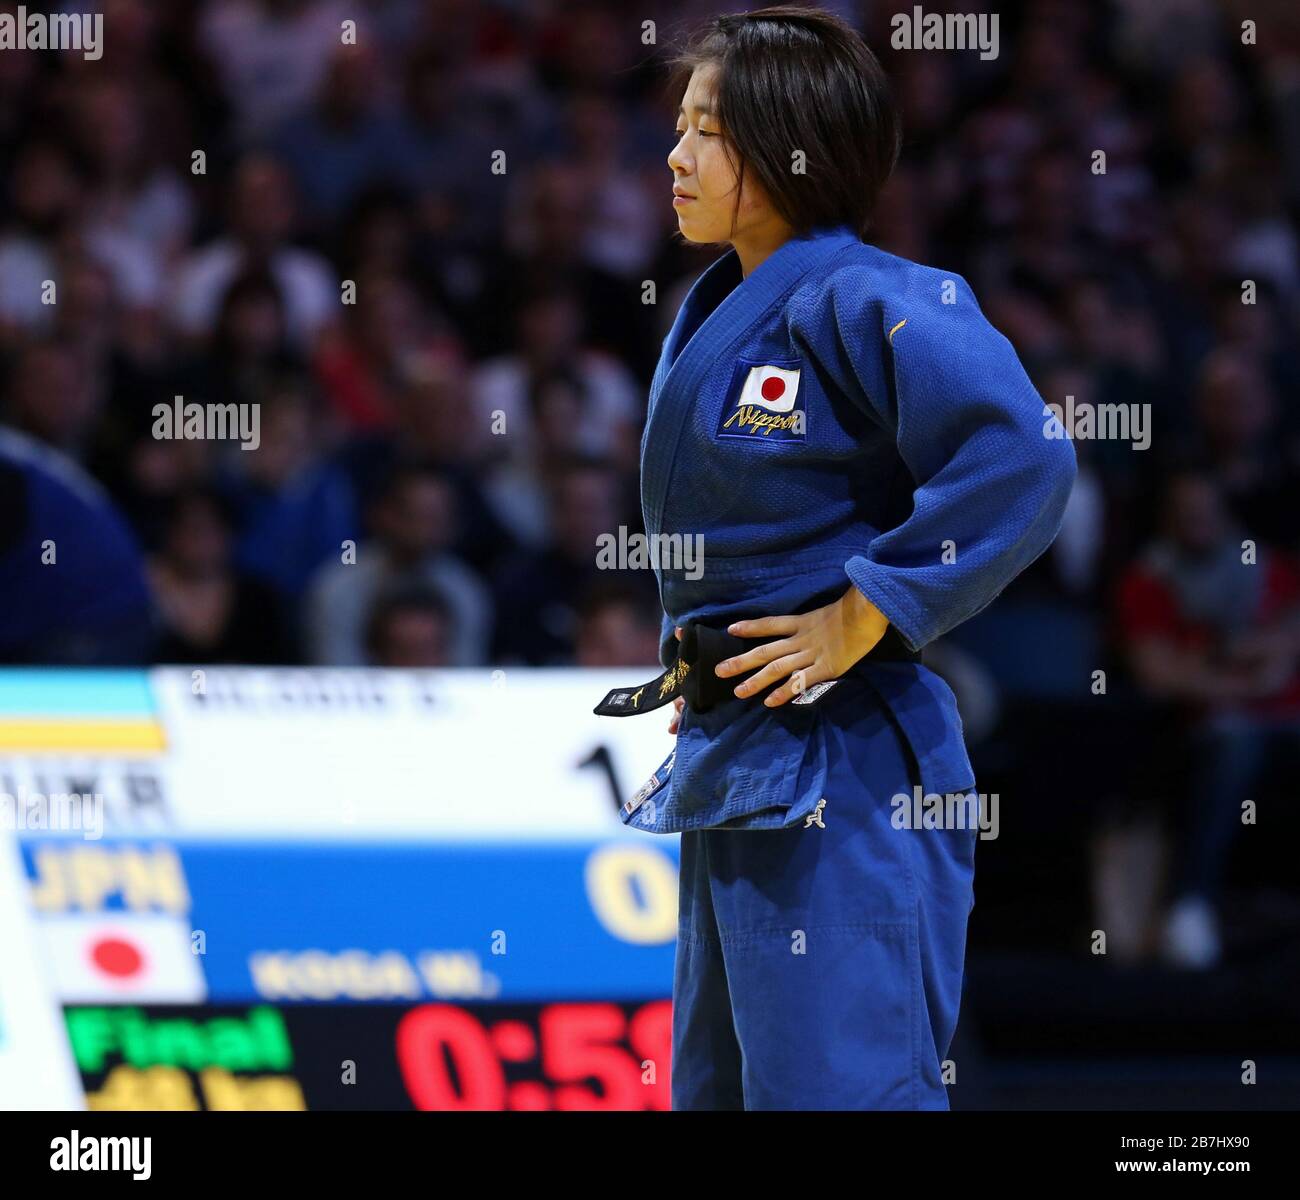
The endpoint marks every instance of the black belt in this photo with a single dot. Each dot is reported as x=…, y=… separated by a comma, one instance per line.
x=692, y=675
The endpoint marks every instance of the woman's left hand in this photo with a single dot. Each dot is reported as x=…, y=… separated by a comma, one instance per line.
x=815, y=646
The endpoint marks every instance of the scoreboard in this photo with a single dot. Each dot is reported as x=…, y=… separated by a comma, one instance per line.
x=253, y=889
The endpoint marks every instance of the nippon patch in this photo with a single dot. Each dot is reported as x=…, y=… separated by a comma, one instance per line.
x=765, y=401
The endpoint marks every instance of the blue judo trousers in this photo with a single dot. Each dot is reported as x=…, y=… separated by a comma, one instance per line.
x=820, y=966
x=840, y=417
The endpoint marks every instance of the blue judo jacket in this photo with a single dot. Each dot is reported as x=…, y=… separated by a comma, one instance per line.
x=839, y=416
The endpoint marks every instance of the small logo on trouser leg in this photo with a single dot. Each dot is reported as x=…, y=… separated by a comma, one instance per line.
x=815, y=817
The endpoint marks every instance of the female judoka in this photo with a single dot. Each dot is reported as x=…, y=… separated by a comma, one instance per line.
x=868, y=465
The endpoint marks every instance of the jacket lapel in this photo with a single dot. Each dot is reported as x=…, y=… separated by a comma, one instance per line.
x=682, y=367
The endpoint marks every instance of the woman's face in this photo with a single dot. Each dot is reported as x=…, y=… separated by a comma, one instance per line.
x=705, y=176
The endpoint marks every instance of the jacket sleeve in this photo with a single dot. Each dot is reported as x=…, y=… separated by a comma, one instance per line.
x=991, y=465
x=667, y=641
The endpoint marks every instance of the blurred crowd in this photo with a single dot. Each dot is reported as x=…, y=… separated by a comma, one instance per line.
x=423, y=256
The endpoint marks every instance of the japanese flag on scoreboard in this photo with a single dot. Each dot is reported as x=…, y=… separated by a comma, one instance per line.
x=99, y=958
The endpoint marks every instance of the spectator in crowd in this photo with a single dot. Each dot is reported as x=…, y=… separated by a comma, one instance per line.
x=409, y=627
x=544, y=255
x=553, y=397
x=51, y=396
x=386, y=330
x=293, y=504
x=1076, y=559
x=411, y=527
x=1238, y=434
x=210, y=612
x=261, y=212
x=86, y=317
x=44, y=200
x=618, y=626
x=443, y=155
x=344, y=143
x=147, y=475
x=1211, y=624
x=436, y=424
x=618, y=213
x=537, y=592
x=139, y=213
x=271, y=55
x=249, y=344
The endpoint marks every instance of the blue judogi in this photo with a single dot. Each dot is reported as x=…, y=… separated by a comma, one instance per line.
x=820, y=966
x=841, y=416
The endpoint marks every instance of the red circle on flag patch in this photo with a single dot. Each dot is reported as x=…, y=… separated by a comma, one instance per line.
x=113, y=956
x=773, y=387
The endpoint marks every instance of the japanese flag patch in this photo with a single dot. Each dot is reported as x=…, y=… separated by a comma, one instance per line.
x=764, y=402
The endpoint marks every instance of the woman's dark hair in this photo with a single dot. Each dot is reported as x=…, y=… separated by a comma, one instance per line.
x=798, y=79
